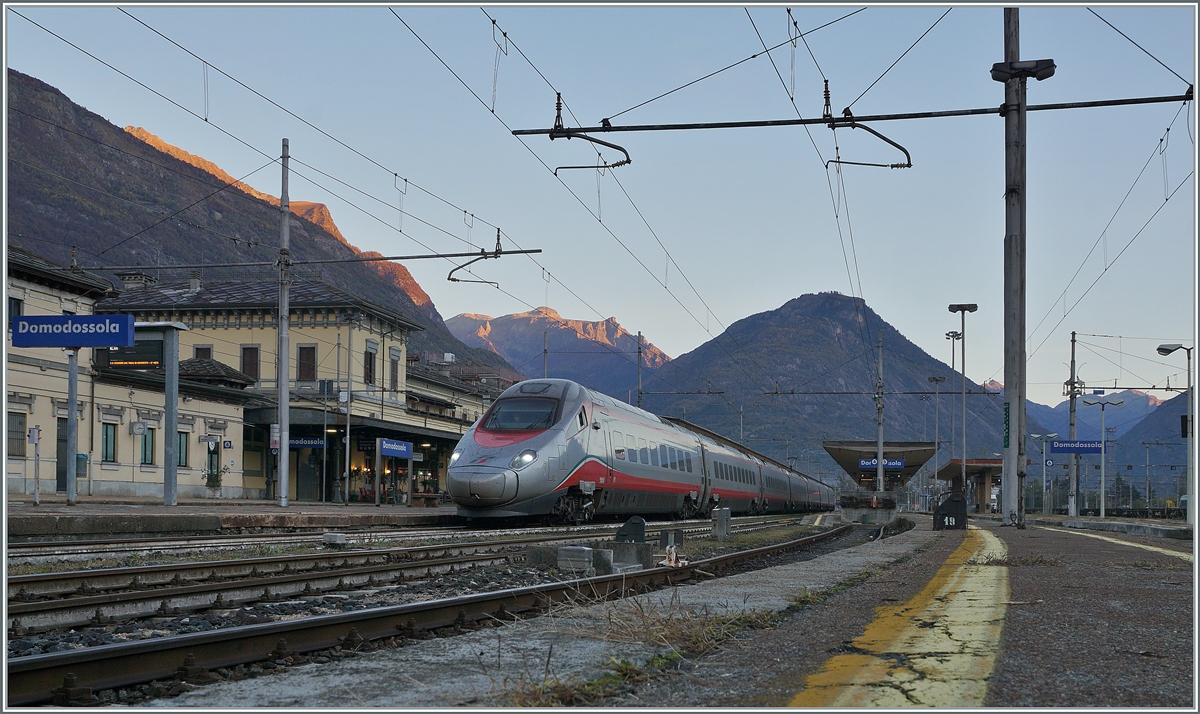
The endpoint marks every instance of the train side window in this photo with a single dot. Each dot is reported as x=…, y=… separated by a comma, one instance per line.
x=645, y=454
x=581, y=419
x=687, y=457
x=662, y=455
x=618, y=446
x=672, y=460
x=653, y=454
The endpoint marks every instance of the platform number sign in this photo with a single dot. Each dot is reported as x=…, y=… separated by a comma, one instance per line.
x=949, y=520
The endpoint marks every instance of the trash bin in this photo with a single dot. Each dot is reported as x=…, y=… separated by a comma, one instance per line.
x=951, y=514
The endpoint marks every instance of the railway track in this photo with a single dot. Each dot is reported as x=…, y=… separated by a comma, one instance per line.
x=70, y=677
x=41, y=602
x=36, y=552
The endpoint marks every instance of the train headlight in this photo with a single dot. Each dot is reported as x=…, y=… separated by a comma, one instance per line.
x=523, y=459
x=454, y=457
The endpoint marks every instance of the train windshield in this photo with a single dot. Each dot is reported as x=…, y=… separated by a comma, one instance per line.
x=521, y=414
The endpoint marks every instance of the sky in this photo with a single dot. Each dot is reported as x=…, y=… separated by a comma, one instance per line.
x=399, y=118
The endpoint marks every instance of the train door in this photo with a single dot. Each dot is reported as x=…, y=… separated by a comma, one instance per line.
x=705, y=481
x=600, y=441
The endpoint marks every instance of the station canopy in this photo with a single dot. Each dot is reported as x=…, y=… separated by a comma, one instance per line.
x=976, y=468
x=850, y=454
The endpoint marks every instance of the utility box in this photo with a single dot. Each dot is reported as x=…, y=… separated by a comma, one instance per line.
x=951, y=514
x=633, y=531
x=721, y=523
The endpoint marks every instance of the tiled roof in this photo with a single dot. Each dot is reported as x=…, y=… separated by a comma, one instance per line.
x=245, y=295
x=206, y=370
x=35, y=266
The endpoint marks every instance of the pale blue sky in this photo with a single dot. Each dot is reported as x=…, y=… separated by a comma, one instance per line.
x=747, y=214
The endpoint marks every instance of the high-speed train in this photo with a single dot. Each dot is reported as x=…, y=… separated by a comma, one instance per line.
x=554, y=448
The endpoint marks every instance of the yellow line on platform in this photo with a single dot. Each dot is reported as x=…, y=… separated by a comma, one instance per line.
x=936, y=650
x=1165, y=551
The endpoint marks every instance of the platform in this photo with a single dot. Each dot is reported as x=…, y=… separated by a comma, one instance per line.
x=97, y=517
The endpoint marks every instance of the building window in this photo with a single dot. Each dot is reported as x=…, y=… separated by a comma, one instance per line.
x=16, y=308
x=16, y=432
x=148, y=447
x=394, y=381
x=368, y=367
x=306, y=363
x=182, y=449
x=202, y=352
x=108, y=442
x=250, y=361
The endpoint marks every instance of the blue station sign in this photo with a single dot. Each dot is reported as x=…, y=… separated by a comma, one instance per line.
x=305, y=442
x=397, y=449
x=894, y=464
x=72, y=331
x=1075, y=447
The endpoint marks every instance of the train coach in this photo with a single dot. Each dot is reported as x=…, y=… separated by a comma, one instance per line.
x=553, y=448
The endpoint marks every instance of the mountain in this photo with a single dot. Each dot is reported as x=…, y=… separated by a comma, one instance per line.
x=601, y=355
x=806, y=371
x=1136, y=407
x=125, y=197
x=1167, y=461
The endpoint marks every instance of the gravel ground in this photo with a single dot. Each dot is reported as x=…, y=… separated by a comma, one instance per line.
x=1112, y=625
x=491, y=667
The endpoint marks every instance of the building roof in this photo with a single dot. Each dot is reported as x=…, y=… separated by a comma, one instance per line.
x=31, y=266
x=847, y=453
x=241, y=295
x=213, y=372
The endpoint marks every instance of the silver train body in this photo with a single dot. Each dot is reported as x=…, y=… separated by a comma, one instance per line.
x=551, y=447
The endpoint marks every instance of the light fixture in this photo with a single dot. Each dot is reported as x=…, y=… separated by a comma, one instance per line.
x=1038, y=69
x=426, y=445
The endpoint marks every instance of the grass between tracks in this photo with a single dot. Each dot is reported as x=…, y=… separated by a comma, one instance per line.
x=685, y=632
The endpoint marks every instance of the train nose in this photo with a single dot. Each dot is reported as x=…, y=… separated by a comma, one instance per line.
x=481, y=486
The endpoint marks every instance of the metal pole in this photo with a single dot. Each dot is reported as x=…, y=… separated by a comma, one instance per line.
x=171, y=417
x=1191, y=509
x=337, y=485
x=1103, y=456
x=639, y=359
x=879, y=419
x=546, y=351
x=37, y=466
x=1073, y=473
x=1045, y=505
x=964, y=398
x=283, y=370
x=324, y=442
x=349, y=402
x=72, y=420
x=1149, y=505
x=1014, y=276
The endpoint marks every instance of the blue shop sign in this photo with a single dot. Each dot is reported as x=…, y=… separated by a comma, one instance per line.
x=72, y=331
x=394, y=448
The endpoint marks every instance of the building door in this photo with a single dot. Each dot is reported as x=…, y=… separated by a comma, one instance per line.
x=60, y=463
x=308, y=481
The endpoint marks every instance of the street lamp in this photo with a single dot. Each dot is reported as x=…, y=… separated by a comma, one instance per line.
x=1165, y=350
x=937, y=419
x=1044, y=438
x=964, y=308
x=1103, y=440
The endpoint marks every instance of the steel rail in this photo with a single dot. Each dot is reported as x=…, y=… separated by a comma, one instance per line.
x=79, y=598
x=77, y=673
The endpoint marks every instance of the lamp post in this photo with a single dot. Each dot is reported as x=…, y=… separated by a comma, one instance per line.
x=937, y=422
x=1103, y=440
x=1165, y=350
x=1044, y=438
x=953, y=336
x=963, y=309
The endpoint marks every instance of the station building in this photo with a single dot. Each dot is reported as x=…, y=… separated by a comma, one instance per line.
x=120, y=413
x=349, y=362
